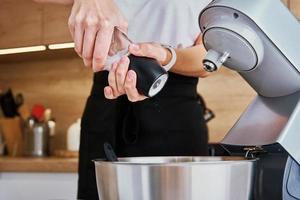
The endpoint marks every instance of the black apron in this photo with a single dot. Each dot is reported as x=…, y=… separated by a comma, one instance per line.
x=169, y=124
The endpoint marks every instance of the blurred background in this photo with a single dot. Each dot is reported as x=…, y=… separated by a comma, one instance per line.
x=58, y=80
x=52, y=85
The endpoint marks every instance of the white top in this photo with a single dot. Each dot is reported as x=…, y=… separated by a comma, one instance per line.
x=170, y=22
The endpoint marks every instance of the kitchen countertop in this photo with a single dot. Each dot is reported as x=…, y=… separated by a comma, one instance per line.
x=49, y=164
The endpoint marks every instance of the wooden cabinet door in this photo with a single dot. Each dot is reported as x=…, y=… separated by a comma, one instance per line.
x=26, y=23
x=55, y=26
x=20, y=23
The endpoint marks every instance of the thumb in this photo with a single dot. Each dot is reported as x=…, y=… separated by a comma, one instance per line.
x=136, y=50
x=149, y=50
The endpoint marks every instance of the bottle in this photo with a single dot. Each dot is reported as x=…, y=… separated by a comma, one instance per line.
x=73, y=136
x=50, y=121
x=36, y=138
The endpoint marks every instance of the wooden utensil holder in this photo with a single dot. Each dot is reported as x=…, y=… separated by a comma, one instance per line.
x=12, y=134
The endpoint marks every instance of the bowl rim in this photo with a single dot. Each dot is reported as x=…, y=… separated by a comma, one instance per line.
x=206, y=160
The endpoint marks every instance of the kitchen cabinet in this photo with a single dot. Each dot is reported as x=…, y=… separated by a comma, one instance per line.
x=55, y=24
x=38, y=186
x=26, y=23
x=20, y=23
x=38, y=178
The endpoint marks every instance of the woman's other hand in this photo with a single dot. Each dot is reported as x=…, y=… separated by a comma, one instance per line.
x=91, y=24
x=123, y=81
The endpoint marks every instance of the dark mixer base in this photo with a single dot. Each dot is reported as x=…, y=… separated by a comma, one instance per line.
x=269, y=172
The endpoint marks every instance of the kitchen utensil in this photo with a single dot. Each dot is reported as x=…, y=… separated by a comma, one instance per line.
x=73, y=136
x=260, y=40
x=52, y=127
x=36, y=138
x=8, y=104
x=47, y=114
x=50, y=120
x=19, y=99
x=12, y=135
x=24, y=111
x=208, y=114
x=269, y=168
x=109, y=152
x=38, y=112
x=175, y=178
x=151, y=76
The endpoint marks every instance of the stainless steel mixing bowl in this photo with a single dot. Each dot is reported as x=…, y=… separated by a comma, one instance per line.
x=175, y=178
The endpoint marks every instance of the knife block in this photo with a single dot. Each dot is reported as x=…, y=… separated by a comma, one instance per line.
x=12, y=134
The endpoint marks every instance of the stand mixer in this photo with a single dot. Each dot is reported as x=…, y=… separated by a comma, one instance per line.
x=260, y=39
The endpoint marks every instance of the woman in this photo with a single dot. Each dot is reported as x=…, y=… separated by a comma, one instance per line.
x=168, y=124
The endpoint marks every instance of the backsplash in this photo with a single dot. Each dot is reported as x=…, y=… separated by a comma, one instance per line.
x=60, y=84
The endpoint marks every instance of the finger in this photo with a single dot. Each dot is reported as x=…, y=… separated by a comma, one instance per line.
x=71, y=21
x=71, y=25
x=121, y=41
x=78, y=36
x=112, y=80
x=108, y=93
x=130, y=87
x=102, y=44
x=111, y=52
x=136, y=50
x=121, y=73
x=146, y=50
x=150, y=50
x=123, y=25
x=88, y=45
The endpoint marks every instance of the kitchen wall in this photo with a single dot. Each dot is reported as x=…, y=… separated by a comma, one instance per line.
x=60, y=81
x=60, y=84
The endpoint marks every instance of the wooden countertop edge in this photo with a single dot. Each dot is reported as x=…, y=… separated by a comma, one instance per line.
x=45, y=165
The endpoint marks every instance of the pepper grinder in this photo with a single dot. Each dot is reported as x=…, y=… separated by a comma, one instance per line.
x=151, y=76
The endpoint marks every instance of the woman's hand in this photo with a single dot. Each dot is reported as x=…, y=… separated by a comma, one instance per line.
x=123, y=81
x=91, y=24
x=189, y=60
